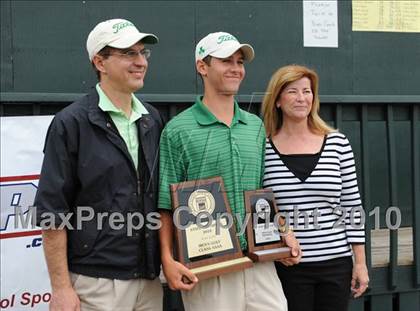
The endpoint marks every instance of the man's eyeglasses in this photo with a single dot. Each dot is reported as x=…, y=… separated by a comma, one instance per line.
x=132, y=54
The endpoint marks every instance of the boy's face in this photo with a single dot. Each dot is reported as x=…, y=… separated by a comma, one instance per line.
x=224, y=75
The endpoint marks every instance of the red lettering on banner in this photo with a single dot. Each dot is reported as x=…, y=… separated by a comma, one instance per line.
x=34, y=299
x=7, y=303
x=25, y=298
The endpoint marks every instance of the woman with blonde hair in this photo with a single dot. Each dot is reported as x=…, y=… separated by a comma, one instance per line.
x=311, y=169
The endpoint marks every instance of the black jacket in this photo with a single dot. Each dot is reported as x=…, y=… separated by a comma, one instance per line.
x=87, y=164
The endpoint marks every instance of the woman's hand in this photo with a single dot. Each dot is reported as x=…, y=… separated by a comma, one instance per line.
x=359, y=280
x=360, y=277
x=291, y=241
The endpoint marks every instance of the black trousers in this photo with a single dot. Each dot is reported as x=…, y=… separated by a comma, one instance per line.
x=318, y=286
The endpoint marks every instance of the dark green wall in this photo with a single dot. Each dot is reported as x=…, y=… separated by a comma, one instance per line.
x=43, y=46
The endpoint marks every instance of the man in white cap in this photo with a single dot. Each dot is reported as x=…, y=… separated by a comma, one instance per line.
x=216, y=138
x=99, y=181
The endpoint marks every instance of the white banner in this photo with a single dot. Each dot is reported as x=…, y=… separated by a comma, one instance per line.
x=24, y=276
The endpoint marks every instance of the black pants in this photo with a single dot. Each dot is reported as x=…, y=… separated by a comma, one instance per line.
x=318, y=286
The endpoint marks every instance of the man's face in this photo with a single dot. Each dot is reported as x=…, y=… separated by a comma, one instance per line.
x=224, y=75
x=123, y=71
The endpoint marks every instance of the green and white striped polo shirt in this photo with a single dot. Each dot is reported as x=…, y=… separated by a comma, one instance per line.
x=196, y=145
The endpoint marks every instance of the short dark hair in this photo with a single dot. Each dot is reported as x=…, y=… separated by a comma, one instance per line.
x=207, y=60
x=104, y=52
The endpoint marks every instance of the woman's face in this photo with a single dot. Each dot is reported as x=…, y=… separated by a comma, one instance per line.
x=295, y=101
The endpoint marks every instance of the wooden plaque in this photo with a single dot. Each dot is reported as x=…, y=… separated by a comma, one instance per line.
x=264, y=240
x=213, y=249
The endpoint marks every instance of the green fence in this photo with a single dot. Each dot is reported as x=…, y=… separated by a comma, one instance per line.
x=385, y=134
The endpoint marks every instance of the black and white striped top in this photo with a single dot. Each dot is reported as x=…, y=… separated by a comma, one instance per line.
x=330, y=191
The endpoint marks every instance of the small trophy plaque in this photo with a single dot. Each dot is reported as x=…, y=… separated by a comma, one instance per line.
x=206, y=242
x=264, y=240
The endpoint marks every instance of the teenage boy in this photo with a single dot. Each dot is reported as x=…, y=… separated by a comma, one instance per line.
x=216, y=138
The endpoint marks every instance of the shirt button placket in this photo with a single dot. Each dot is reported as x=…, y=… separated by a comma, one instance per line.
x=237, y=195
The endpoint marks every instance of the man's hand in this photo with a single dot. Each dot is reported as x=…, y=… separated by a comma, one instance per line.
x=291, y=241
x=64, y=299
x=359, y=280
x=178, y=276
x=63, y=296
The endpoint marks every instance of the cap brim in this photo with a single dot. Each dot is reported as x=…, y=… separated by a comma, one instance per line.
x=246, y=49
x=132, y=39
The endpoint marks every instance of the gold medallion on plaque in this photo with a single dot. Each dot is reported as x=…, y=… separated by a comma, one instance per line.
x=201, y=201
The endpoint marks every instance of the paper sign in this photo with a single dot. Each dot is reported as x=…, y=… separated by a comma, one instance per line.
x=320, y=25
x=389, y=15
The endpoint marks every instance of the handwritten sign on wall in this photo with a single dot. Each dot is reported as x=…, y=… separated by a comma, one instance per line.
x=320, y=24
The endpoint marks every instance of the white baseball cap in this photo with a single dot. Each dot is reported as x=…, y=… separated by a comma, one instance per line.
x=117, y=33
x=222, y=45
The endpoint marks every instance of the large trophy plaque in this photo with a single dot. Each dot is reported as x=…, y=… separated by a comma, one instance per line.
x=206, y=240
x=264, y=240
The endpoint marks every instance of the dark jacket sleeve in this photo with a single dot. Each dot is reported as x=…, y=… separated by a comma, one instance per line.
x=58, y=183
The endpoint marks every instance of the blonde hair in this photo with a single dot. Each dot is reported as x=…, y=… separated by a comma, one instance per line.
x=278, y=82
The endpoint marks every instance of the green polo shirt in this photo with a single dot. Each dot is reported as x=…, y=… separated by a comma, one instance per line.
x=126, y=126
x=196, y=145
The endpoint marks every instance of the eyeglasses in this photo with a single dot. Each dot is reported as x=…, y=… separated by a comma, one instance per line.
x=132, y=54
